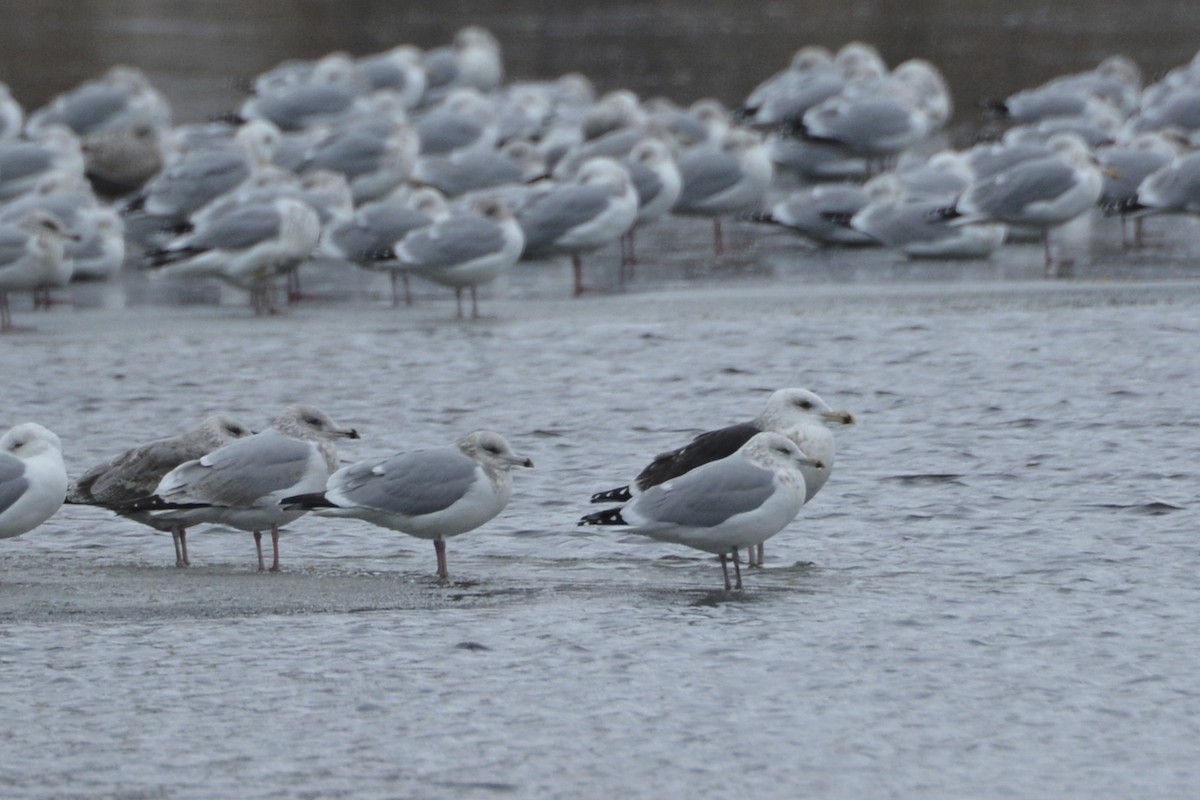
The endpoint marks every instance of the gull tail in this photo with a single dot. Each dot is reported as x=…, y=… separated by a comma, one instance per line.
x=609, y=516
x=155, y=503
x=306, y=501
x=619, y=495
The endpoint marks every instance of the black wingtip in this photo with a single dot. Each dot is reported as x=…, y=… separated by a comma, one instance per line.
x=997, y=107
x=609, y=516
x=306, y=501
x=619, y=495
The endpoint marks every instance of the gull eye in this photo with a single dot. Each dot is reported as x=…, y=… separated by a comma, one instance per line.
x=805, y=404
x=316, y=423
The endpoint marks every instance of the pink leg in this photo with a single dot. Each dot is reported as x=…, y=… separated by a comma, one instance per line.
x=458, y=300
x=439, y=547
x=725, y=569
x=262, y=567
x=474, y=304
x=275, y=549
x=187, y=562
x=176, y=538
x=737, y=570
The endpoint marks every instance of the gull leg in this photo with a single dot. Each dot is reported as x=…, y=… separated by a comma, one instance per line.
x=439, y=547
x=395, y=284
x=718, y=239
x=258, y=546
x=755, y=555
x=458, y=300
x=187, y=562
x=275, y=548
x=474, y=304
x=737, y=570
x=725, y=569
x=175, y=539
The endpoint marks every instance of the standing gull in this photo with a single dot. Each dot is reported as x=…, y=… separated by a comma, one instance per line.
x=796, y=413
x=430, y=494
x=724, y=180
x=593, y=210
x=32, y=258
x=465, y=248
x=737, y=501
x=240, y=484
x=136, y=473
x=33, y=479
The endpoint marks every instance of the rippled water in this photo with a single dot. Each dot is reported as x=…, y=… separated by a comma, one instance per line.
x=995, y=594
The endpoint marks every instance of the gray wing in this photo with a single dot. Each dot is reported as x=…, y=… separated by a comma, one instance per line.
x=645, y=181
x=454, y=240
x=238, y=231
x=411, y=484
x=547, y=218
x=194, y=180
x=708, y=495
x=351, y=154
x=1007, y=194
x=442, y=132
x=13, y=482
x=240, y=473
x=88, y=108
x=455, y=177
x=291, y=110
x=375, y=229
x=23, y=159
x=705, y=173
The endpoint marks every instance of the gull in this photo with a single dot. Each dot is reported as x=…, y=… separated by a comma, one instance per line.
x=136, y=473
x=799, y=414
x=121, y=99
x=656, y=178
x=367, y=238
x=822, y=213
x=464, y=248
x=431, y=494
x=25, y=163
x=732, y=177
x=1038, y=192
x=594, y=209
x=33, y=478
x=913, y=224
x=241, y=483
x=245, y=247
x=32, y=258
x=737, y=501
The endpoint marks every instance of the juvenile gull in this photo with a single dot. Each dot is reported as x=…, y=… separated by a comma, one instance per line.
x=240, y=483
x=33, y=479
x=430, y=494
x=796, y=413
x=136, y=473
x=737, y=501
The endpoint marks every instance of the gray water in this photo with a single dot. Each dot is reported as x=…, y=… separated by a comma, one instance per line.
x=994, y=596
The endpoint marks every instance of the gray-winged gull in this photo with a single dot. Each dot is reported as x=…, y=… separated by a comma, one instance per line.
x=33, y=478
x=32, y=258
x=465, y=248
x=431, y=494
x=797, y=413
x=593, y=210
x=241, y=483
x=731, y=178
x=737, y=501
